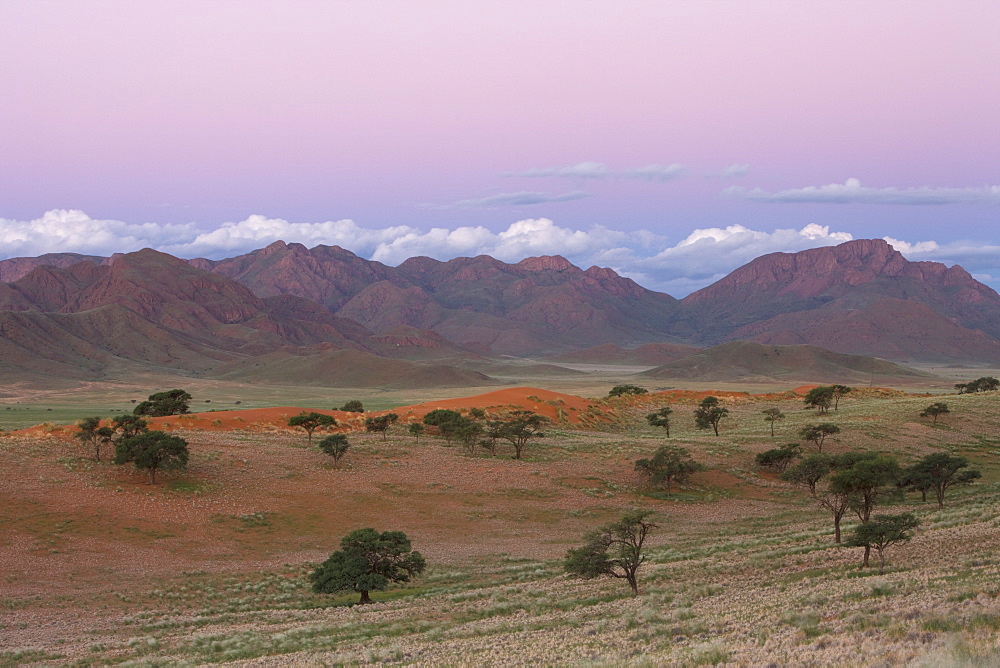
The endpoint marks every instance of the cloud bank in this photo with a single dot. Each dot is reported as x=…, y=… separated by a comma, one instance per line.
x=651, y=259
x=852, y=192
x=598, y=170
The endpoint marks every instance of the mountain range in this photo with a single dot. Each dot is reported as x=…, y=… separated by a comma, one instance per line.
x=287, y=306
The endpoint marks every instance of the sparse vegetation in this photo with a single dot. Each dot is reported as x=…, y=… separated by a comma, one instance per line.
x=709, y=414
x=881, y=533
x=381, y=423
x=984, y=384
x=615, y=550
x=820, y=398
x=353, y=406
x=368, y=561
x=624, y=390
x=310, y=422
x=935, y=410
x=661, y=418
x=153, y=451
x=336, y=446
x=670, y=464
x=171, y=402
x=817, y=433
x=772, y=415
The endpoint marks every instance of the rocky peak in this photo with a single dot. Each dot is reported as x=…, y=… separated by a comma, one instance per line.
x=546, y=263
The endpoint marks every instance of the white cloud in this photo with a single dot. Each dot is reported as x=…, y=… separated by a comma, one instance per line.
x=651, y=259
x=660, y=173
x=523, y=198
x=731, y=172
x=852, y=192
x=587, y=169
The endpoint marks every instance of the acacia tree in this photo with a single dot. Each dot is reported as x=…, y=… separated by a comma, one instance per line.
x=90, y=432
x=310, y=422
x=709, y=413
x=160, y=404
x=820, y=398
x=668, y=464
x=520, y=427
x=353, y=406
x=935, y=410
x=445, y=419
x=381, y=423
x=416, y=429
x=939, y=471
x=615, y=550
x=127, y=426
x=881, y=533
x=368, y=561
x=778, y=459
x=622, y=390
x=817, y=433
x=984, y=384
x=863, y=482
x=838, y=392
x=661, y=418
x=336, y=446
x=153, y=451
x=772, y=415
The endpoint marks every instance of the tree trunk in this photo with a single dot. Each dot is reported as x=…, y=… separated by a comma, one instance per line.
x=364, y=598
x=868, y=552
x=152, y=475
x=772, y=428
x=836, y=530
x=633, y=584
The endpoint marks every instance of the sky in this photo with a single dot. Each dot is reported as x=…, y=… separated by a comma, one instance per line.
x=672, y=141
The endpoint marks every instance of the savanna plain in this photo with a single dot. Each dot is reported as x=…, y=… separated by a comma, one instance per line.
x=211, y=564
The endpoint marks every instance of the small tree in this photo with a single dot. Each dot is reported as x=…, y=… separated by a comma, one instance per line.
x=820, y=398
x=368, y=561
x=171, y=402
x=310, y=422
x=615, y=550
x=817, y=433
x=522, y=426
x=984, y=384
x=381, y=424
x=416, y=430
x=940, y=471
x=661, y=418
x=809, y=472
x=709, y=413
x=468, y=432
x=336, y=446
x=935, y=410
x=445, y=419
x=668, y=465
x=881, y=533
x=622, y=390
x=772, y=415
x=153, y=451
x=838, y=392
x=92, y=434
x=353, y=406
x=127, y=426
x=779, y=459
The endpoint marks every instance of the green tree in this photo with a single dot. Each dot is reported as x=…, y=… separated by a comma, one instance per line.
x=153, y=451
x=127, y=426
x=171, y=402
x=809, y=472
x=984, y=384
x=709, y=414
x=817, y=433
x=381, y=423
x=615, y=550
x=838, y=392
x=520, y=427
x=935, y=410
x=416, y=430
x=661, y=418
x=820, y=398
x=368, y=561
x=622, y=390
x=446, y=421
x=311, y=422
x=353, y=406
x=468, y=432
x=336, y=446
x=91, y=433
x=772, y=415
x=881, y=533
x=779, y=459
x=940, y=471
x=669, y=464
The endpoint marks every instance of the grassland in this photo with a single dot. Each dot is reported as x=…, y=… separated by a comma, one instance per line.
x=210, y=565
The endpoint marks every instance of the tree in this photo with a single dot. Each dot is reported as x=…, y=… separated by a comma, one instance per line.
x=614, y=550
x=416, y=429
x=127, y=426
x=820, y=398
x=881, y=533
x=353, y=406
x=817, y=433
x=661, y=418
x=171, y=402
x=468, y=432
x=939, y=471
x=91, y=433
x=520, y=427
x=668, y=465
x=622, y=390
x=779, y=459
x=772, y=415
x=310, y=422
x=709, y=413
x=153, y=451
x=335, y=445
x=445, y=419
x=864, y=480
x=984, y=384
x=935, y=410
x=368, y=561
x=381, y=424
x=809, y=472
x=838, y=392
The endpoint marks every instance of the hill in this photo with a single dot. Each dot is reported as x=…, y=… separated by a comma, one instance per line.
x=650, y=354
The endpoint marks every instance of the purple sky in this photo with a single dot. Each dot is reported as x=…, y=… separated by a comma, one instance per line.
x=630, y=129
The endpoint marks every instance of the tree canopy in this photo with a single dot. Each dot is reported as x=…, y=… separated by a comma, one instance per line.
x=669, y=464
x=335, y=445
x=661, y=418
x=368, y=561
x=153, y=451
x=935, y=410
x=160, y=404
x=614, y=550
x=939, y=471
x=381, y=423
x=622, y=390
x=772, y=415
x=91, y=433
x=820, y=398
x=881, y=533
x=310, y=422
x=709, y=414
x=817, y=433
x=984, y=384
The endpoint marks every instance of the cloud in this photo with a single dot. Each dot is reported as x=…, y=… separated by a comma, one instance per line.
x=653, y=260
x=581, y=170
x=523, y=198
x=660, y=173
x=731, y=172
x=852, y=192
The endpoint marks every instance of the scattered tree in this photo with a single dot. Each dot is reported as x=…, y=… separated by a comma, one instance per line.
x=820, y=398
x=171, y=402
x=615, y=550
x=153, y=451
x=809, y=472
x=935, y=410
x=939, y=471
x=881, y=533
x=779, y=459
x=621, y=390
x=353, y=406
x=838, y=392
x=520, y=427
x=772, y=415
x=661, y=418
x=817, y=433
x=92, y=434
x=127, y=426
x=984, y=384
x=368, y=561
x=310, y=422
x=468, y=432
x=381, y=424
x=668, y=465
x=336, y=446
x=416, y=430
x=709, y=413
x=444, y=419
